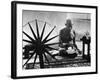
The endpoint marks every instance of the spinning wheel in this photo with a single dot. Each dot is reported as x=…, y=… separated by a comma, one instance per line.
x=38, y=44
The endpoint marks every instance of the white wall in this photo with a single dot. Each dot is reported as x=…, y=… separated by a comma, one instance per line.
x=5, y=40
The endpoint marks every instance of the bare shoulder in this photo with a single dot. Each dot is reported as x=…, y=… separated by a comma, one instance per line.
x=63, y=29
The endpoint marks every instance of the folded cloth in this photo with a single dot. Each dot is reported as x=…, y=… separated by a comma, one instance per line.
x=70, y=50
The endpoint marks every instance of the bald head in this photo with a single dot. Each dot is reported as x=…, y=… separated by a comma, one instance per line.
x=68, y=23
